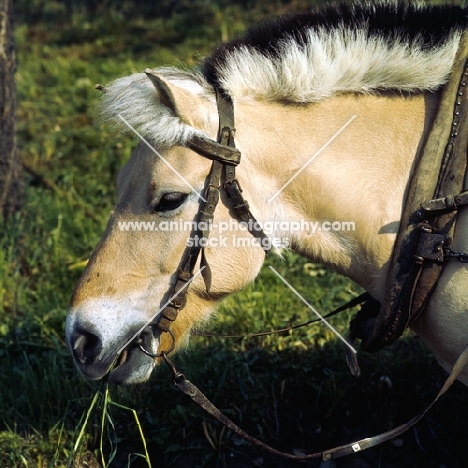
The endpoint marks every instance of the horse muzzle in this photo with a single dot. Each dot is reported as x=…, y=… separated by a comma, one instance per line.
x=127, y=358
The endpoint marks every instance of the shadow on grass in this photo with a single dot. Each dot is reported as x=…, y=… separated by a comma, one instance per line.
x=295, y=400
x=300, y=402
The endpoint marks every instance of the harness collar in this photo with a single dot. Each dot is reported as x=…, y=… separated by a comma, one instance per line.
x=422, y=247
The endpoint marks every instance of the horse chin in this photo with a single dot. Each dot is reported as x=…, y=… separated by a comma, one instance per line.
x=134, y=366
x=136, y=369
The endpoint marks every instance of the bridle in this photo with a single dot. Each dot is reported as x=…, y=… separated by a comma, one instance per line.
x=226, y=157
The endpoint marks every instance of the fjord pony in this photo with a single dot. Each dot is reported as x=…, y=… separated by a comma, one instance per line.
x=331, y=110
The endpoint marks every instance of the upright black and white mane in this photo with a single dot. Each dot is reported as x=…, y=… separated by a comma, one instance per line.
x=305, y=57
x=360, y=47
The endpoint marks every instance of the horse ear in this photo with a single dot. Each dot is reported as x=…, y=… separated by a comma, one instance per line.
x=182, y=103
x=164, y=90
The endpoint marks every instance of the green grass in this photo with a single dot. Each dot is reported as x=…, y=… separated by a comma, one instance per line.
x=293, y=390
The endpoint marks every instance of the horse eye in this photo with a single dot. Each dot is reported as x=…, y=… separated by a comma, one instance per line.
x=170, y=201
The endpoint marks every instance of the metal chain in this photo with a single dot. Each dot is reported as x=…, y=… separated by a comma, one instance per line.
x=461, y=256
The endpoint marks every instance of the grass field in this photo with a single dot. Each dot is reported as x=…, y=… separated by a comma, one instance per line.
x=292, y=390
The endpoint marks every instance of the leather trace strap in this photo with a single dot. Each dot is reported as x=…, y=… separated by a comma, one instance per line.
x=200, y=399
x=443, y=205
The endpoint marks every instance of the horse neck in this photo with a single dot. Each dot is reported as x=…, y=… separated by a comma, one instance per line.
x=342, y=166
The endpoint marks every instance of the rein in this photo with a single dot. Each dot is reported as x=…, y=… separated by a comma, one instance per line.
x=191, y=390
x=225, y=158
x=352, y=303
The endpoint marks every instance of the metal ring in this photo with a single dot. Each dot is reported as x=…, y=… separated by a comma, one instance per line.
x=463, y=258
x=162, y=353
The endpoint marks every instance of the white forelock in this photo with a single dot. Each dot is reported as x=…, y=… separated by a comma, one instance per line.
x=133, y=101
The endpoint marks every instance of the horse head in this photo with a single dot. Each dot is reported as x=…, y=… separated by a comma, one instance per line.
x=332, y=111
x=129, y=276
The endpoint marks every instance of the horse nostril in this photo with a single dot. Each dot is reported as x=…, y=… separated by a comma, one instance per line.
x=86, y=346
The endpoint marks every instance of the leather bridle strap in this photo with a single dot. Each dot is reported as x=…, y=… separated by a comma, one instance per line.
x=189, y=259
x=358, y=446
x=231, y=184
x=225, y=156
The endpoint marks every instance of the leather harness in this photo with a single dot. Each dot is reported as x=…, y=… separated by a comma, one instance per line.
x=422, y=247
x=423, y=244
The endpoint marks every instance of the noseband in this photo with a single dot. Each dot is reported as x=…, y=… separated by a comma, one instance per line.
x=225, y=157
